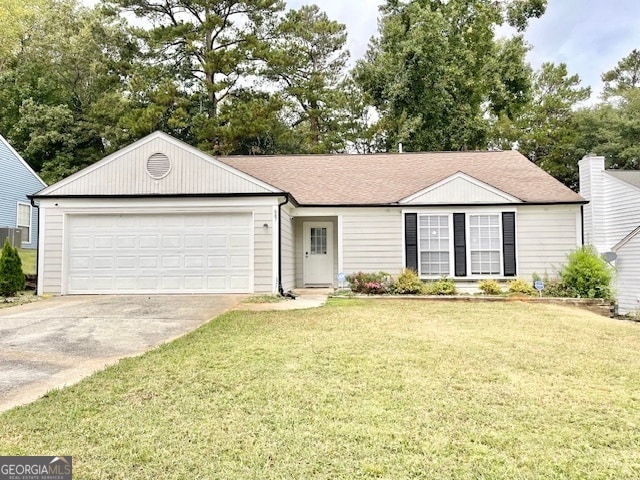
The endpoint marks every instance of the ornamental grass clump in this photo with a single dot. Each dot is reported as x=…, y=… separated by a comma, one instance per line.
x=489, y=287
x=521, y=287
x=443, y=286
x=408, y=283
x=12, y=278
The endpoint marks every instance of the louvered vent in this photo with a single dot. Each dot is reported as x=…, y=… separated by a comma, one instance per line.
x=158, y=165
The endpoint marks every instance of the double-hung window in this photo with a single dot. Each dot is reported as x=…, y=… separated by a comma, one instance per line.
x=435, y=253
x=484, y=244
x=461, y=244
x=24, y=221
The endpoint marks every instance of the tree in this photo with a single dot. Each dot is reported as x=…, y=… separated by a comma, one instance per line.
x=61, y=94
x=549, y=132
x=623, y=78
x=307, y=58
x=17, y=18
x=11, y=275
x=436, y=71
x=208, y=47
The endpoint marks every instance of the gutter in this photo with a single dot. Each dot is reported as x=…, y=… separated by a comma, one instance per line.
x=280, y=288
x=37, y=207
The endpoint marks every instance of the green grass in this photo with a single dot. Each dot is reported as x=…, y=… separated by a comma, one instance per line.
x=358, y=389
x=28, y=258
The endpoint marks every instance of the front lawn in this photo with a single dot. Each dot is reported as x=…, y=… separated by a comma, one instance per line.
x=358, y=389
x=28, y=258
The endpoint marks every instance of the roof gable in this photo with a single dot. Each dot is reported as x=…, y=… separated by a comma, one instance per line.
x=9, y=154
x=460, y=188
x=187, y=171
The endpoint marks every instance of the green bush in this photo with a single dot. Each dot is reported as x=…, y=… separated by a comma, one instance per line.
x=489, y=287
x=554, y=287
x=12, y=278
x=408, y=283
x=444, y=286
x=520, y=287
x=587, y=274
x=373, y=283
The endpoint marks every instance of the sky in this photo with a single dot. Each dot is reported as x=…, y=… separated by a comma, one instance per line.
x=590, y=36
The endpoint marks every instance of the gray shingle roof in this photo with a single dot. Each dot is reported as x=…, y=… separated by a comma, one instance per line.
x=632, y=177
x=389, y=178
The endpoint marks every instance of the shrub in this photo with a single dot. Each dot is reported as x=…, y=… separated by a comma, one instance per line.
x=489, y=287
x=11, y=275
x=554, y=287
x=586, y=274
x=370, y=283
x=519, y=286
x=408, y=283
x=444, y=286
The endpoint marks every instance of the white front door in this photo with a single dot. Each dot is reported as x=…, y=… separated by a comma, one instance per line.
x=318, y=253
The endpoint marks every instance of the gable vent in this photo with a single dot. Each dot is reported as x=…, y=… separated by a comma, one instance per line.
x=158, y=166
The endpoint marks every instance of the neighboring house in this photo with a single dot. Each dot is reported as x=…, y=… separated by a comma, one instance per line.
x=17, y=181
x=160, y=216
x=612, y=223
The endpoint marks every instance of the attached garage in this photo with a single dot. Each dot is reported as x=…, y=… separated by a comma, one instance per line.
x=159, y=253
x=158, y=217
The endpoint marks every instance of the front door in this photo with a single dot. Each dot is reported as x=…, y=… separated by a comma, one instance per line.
x=318, y=253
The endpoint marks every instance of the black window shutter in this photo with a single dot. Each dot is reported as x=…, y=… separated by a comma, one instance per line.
x=459, y=245
x=411, y=240
x=509, y=243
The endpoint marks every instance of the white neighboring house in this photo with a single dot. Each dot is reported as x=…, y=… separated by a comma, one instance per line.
x=612, y=223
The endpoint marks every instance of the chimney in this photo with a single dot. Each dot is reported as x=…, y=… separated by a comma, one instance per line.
x=592, y=189
x=400, y=147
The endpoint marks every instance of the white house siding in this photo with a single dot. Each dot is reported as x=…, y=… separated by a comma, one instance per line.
x=628, y=276
x=591, y=189
x=125, y=173
x=372, y=240
x=544, y=237
x=288, y=250
x=621, y=209
x=51, y=262
x=459, y=191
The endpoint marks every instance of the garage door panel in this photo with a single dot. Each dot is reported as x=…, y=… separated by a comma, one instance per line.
x=159, y=253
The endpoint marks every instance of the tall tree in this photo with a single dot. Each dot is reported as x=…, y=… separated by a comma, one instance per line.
x=61, y=91
x=549, y=129
x=436, y=70
x=307, y=58
x=623, y=78
x=208, y=46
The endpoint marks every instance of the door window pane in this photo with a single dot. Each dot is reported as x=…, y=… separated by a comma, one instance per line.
x=318, y=241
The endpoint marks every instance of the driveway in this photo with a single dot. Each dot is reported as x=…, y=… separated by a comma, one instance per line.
x=58, y=341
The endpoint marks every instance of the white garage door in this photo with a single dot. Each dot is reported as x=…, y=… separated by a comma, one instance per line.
x=159, y=253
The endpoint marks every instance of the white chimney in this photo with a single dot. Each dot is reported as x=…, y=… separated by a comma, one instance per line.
x=591, y=189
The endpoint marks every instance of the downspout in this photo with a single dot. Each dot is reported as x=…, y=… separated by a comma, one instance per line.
x=280, y=205
x=37, y=207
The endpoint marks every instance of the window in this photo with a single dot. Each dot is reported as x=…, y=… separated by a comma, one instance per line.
x=484, y=244
x=318, y=241
x=434, y=245
x=461, y=244
x=24, y=221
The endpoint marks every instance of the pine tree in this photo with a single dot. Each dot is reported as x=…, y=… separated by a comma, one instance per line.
x=11, y=275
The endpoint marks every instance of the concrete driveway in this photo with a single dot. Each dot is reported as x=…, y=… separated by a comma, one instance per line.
x=58, y=341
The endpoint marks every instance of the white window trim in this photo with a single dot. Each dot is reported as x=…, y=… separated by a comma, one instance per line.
x=30, y=226
x=449, y=216
x=468, y=243
x=467, y=213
